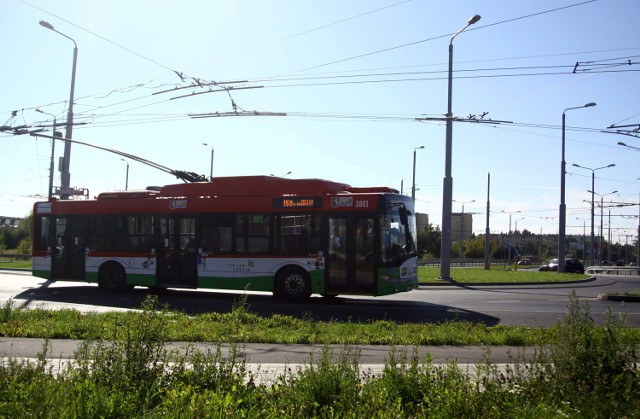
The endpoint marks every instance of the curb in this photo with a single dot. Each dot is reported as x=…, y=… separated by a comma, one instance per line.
x=623, y=298
x=445, y=282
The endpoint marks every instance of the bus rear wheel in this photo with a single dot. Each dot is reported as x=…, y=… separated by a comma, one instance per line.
x=112, y=277
x=293, y=284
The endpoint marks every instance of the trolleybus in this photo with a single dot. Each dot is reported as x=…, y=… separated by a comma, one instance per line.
x=290, y=237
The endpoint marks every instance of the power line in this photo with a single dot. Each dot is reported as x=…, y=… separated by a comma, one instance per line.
x=442, y=36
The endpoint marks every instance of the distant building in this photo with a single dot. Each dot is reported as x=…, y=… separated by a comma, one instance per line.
x=11, y=222
x=422, y=221
x=461, y=226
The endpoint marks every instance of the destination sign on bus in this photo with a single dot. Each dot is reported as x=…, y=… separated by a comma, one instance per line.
x=297, y=202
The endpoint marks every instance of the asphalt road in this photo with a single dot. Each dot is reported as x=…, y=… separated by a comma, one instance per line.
x=528, y=305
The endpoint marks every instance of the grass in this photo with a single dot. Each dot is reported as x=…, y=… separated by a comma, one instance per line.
x=635, y=293
x=241, y=325
x=15, y=263
x=591, y=371
x=478, y=275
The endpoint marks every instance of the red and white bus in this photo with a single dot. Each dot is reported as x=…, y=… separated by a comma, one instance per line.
x=291, y=237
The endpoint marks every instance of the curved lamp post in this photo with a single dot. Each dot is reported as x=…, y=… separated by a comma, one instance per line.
x=447, y=185
x=593, y=177
x=65, y=175
x=563, y=207
x=628, y=146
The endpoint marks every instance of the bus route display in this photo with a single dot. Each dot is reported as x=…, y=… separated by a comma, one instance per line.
x=297, y=202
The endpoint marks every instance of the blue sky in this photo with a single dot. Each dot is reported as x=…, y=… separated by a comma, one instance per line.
x=352, y=78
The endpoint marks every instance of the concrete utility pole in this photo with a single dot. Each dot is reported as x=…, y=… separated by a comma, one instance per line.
x=563, y=207
x=447, y=184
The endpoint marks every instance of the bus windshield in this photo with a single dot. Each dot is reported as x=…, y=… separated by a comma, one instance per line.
x=398, y=227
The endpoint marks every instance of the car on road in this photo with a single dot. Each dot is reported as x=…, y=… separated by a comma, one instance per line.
x=570, y=266
x=524, y=262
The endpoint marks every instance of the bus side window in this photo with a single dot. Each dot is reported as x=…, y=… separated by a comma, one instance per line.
x=42, y=231
x=216, y=234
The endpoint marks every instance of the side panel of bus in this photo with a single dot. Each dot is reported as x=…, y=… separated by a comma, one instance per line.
x=255, y=273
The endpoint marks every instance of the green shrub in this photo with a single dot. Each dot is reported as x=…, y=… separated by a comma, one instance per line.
x=591, y=370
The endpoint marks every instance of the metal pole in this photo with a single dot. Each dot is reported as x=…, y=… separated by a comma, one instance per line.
x=211, y=166
x=447, y=184
x=51, y=164
x=462, y=235
x=53, y=150
x=609, y=239
x=563, y=207
x=593, y=176
x=486, y=233
x=65, y=176
x=510, y=240
x=600, y=238
x=447, y=193
x=413, y=184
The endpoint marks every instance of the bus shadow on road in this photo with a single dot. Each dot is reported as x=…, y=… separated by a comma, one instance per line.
x=192, y=302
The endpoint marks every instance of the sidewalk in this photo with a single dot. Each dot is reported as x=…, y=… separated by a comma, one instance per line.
x=277, y=353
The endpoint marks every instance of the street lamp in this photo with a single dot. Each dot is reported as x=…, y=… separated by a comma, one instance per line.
x=211, y=167
x=462, y=227
x=447, y=184
x=126, y=181
x=584, y=227
x=510, y=213
x=53, y=150
x=413, y=187
x=601, y=216
x=65, y=176
x=286, y=174
x=515, y=228
x=593, y=177
x=629, y=146
x=563, y=207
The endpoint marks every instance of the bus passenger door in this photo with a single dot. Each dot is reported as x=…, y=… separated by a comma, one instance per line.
x=176, y=254
x=351, y=261
x=69, y=249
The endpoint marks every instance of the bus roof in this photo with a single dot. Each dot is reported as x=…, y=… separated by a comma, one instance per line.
x=247, y=186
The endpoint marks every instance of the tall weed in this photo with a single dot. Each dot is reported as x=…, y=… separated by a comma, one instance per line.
x=591, y=371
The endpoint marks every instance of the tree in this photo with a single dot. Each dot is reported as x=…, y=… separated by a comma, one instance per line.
x=429, y=240
x=474, y=248
x=12, y=237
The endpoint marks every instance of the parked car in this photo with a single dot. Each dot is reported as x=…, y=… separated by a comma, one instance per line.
x=524, y=262
x=570, y=266
x=620, y=262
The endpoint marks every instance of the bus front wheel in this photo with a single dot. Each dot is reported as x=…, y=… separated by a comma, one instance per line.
x=293, y=284
x=112, y=277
